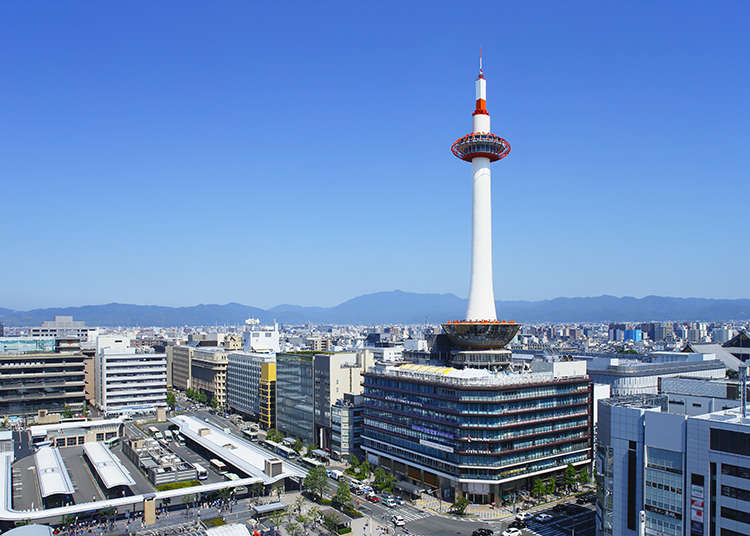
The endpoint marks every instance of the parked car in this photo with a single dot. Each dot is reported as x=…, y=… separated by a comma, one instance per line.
x=398, y=521
x=399, y=500
x=543, y=518
x=512, y=531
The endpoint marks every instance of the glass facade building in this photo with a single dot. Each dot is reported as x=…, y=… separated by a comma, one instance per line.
x=294, y=396
x=474, y=432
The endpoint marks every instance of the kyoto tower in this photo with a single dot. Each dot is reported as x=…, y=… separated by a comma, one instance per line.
x=481, y=329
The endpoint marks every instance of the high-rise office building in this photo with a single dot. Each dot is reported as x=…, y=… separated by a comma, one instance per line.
x=307, y=385
x=251, y=386
x=208, y=373
x=127, y=382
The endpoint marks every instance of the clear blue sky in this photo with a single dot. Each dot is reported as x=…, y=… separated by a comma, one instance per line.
x=187, y=152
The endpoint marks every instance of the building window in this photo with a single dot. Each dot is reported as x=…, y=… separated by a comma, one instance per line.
x=730, y=441
x=735, y=515
x=734, y=470
x=735, y=493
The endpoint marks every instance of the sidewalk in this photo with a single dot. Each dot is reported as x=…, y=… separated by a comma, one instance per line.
x=483, y=511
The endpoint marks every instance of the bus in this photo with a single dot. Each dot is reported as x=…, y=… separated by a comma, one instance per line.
x=252, y=435
x=311, y=462
x=153, y=430
x=219, y=465
x=167, y=435
x=202, y=473
x=284, y=451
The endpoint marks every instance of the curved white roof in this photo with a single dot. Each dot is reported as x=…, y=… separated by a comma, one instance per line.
x=241, y=454
x=52, y=473
x=111, y=472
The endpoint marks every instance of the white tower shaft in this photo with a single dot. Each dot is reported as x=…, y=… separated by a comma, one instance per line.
x=481, y=292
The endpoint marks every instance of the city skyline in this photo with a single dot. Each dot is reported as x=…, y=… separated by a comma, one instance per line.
x=144, y=161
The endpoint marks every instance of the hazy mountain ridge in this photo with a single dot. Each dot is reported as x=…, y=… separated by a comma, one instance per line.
x=396, y=307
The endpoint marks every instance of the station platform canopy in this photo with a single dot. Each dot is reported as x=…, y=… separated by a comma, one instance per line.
x=244, y=456
x=110, y=470
x=52, y=473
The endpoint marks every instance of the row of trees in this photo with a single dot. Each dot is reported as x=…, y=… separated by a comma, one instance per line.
x=198, y=396
x=67, y=411
x=571, y=480
x=298, y=522
x=360, y=471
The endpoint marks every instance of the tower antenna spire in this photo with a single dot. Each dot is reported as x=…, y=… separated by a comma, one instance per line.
x=480, y=60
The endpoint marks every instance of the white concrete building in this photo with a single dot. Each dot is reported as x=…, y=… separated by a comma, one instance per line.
x=127, y=382
x=65, y=326
x=630, y=377
x=262, y=338
x=684, y=476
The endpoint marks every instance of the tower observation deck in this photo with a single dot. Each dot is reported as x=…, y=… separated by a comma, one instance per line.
x=481, y=329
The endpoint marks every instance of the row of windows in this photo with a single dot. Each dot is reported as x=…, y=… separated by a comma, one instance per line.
x=734, y=470
x=479, y=457
x=735, y=515
x=735, y=493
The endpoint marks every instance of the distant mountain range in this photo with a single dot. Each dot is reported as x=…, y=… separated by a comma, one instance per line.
x=396, y=307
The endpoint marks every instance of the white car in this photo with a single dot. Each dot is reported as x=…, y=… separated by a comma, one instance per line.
x=398, y=521
x=543, y=518
x=512, y=531
x=524, y=516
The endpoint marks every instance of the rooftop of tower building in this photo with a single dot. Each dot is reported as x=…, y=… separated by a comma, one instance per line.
x=481, y=376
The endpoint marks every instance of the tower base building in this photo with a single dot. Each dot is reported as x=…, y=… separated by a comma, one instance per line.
x=477, y=433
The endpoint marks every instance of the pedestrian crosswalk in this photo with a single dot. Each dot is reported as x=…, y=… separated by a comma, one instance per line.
x=411, y=514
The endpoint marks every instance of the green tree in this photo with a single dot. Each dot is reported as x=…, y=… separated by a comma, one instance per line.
x=459, y=507
x=364, y=469
x=274, y=435
x=257, y=489
x=331, y=521
x=315, y=482
x=569, y=478
x=171, y=399
x=67, y=412
x=294, y=528
x=379, y=474
x=343, y=495
x=583, y=477
x=383, y=479
x=353, y=461
x=277, y=519
x=298, y=446
x=214, y=402
x=202, y=397
x=538, y=489
x=549, y=486
x=85, y=409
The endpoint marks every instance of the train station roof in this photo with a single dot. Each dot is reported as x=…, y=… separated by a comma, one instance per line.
x=248, y=458
x=110, y=470
x=52, y=473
